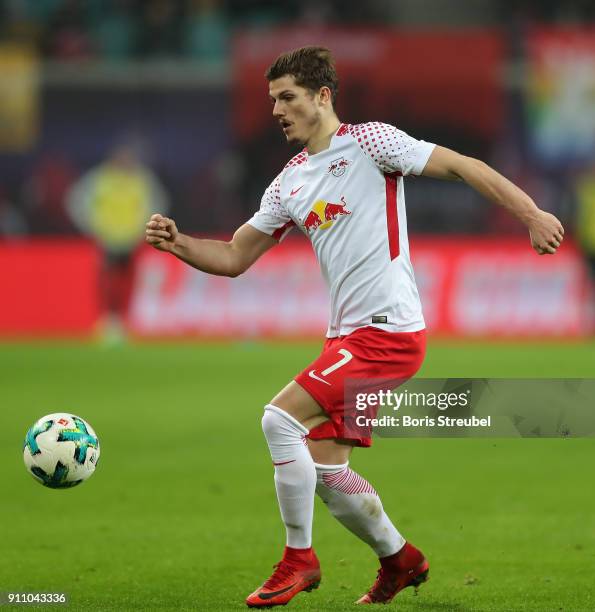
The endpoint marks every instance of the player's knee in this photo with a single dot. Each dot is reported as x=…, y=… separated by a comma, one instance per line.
x=276, y=422
x=270, y=423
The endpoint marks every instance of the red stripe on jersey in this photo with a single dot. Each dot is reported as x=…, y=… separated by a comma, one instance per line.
x=392, y=218
x=278, y=233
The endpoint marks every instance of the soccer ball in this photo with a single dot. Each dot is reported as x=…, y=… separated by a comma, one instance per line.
x=61, y=450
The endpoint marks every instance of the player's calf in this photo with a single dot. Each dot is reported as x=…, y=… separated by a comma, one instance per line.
x=295, y=475
x=353, y=501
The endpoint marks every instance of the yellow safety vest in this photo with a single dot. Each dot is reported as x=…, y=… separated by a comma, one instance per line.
x=120, y=206
x=586, y=213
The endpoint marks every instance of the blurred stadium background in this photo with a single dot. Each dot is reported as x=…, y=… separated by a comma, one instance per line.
x=110, y=109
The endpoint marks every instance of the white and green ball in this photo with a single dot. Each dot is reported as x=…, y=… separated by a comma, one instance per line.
x=61, y=450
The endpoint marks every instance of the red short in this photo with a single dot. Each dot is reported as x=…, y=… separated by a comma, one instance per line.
x=367, y=360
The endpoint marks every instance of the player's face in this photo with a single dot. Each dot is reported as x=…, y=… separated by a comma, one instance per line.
x=296, y=109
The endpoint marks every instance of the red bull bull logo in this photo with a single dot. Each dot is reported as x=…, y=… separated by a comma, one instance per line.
x=323, y=214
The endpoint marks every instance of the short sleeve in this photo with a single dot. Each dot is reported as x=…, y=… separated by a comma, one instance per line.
x=390, y=149
x=272, y=218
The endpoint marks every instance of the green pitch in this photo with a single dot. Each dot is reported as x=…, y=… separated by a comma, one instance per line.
x=182, y=515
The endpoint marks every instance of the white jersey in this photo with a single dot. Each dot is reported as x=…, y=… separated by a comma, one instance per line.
x=349, y=200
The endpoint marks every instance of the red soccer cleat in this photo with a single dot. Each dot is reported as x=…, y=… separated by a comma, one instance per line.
x=406, y=568
x=299, y=570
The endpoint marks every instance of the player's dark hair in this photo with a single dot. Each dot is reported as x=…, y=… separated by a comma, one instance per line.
x=311, y=67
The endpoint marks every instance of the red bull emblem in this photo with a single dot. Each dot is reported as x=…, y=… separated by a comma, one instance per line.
x=338, y=166
x=323, y=214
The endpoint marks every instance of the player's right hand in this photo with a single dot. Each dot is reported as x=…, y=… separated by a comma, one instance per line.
x=161, y=232
x=546, y=233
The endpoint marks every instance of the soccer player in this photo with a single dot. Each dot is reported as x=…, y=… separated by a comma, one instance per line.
x=345, y=191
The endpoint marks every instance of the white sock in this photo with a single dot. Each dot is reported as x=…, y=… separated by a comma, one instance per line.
x=354, y=503
x=295, y=475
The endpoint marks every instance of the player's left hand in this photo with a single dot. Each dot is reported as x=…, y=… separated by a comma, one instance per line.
x=546, y=233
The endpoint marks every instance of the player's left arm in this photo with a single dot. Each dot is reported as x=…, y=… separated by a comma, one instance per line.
x=545, y=231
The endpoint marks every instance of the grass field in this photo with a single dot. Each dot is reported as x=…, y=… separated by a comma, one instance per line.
x=182, y=515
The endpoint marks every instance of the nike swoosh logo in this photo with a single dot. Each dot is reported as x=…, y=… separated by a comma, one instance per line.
x=312, y=374
x=284, y=462
x=275, y=593
x=294, y=191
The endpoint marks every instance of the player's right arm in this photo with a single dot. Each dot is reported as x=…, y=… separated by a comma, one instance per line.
x=211, y=256
x=265, y=229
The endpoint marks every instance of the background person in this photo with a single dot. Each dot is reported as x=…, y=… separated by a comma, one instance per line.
x=110, y=203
